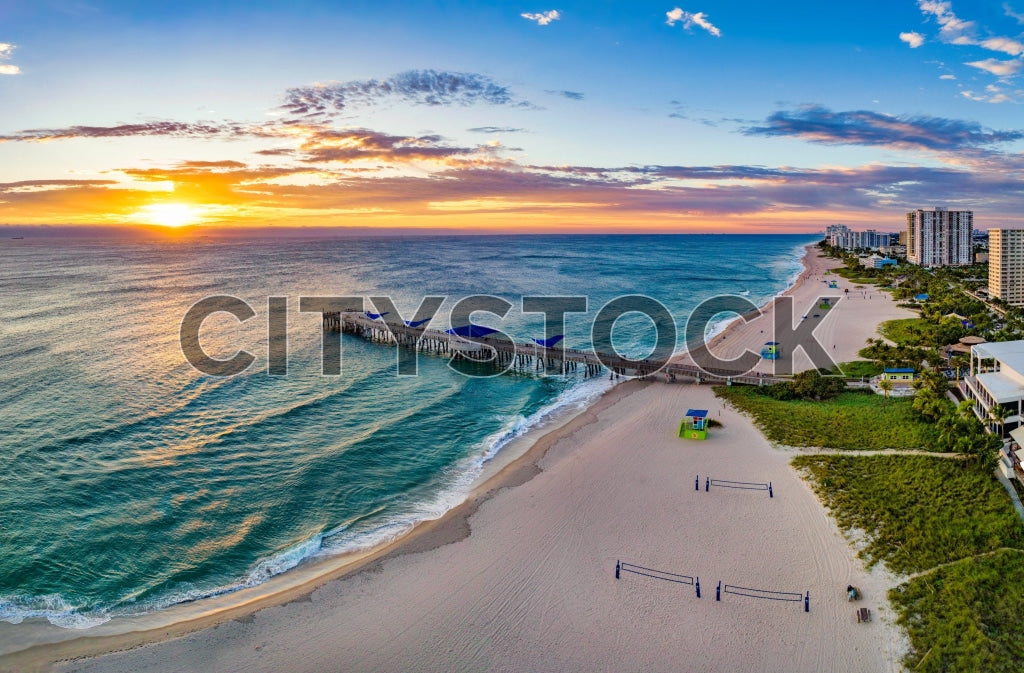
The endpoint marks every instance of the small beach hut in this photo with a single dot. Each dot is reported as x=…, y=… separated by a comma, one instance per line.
x=899, y=374
x=695, y=425
x=771, y=350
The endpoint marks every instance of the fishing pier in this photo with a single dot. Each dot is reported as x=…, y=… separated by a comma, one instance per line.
x=526, y=356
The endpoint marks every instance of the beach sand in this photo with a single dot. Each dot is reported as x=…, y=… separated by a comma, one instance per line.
x=841, y=330
x=521, y=576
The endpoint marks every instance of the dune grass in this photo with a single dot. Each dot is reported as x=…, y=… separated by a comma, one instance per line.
x=917, y=511
x=965, y=616
x=852, y=420
x=860, y=368
x=953, y=524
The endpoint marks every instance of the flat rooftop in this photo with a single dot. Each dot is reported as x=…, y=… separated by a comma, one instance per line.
x=1010, y=353
x=1002, y=388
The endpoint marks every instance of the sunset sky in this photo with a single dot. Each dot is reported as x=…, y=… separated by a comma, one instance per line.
x=718, y=116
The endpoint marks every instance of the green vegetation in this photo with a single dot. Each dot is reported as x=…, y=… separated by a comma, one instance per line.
x=966, y=616
x=892, y=356
x=852, y=420
x=918, y=511
x=910, y=331
x=856, y=275
x=860, y=368
x=945, y=519
x=807, y=385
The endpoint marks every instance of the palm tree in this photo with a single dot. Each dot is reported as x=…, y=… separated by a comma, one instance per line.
x=959, y=363
x=997, y=415
x=886, y=385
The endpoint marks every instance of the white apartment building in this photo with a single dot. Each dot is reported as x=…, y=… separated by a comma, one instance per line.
x=940, y=237
x=1006, y=265
x=997, y=377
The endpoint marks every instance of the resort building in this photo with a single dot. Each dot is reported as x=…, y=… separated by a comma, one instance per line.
x=997, y=378
x=940, y=237
x=1006, y=265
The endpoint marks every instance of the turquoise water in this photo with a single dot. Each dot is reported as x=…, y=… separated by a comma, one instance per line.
x=131, y=482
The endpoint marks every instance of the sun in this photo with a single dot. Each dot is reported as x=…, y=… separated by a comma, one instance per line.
x=168, y=214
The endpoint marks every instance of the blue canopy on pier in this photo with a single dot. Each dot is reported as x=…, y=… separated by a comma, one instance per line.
x=416, y=323
x=374, y=316
x=548, y=343
x=471, y=331
x=697, y=413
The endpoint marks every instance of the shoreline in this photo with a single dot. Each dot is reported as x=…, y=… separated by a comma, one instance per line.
x=516, y=464
x=180, y=619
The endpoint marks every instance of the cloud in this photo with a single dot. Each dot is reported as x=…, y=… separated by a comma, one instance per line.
x=573, y=95
x=1005, y=45
x=818, y=124
x=495, y=129
x=6, y=50
x=915, y=40
x=951, y=28
x=947, y=76
x=689, y=20
x=156, y=128
x=350, y=145
x=418, y=87
x=543, y=18
x=1012, y=14
x=572, y=195
x=997, y=67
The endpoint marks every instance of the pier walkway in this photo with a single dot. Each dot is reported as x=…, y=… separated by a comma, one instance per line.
x=524, y=356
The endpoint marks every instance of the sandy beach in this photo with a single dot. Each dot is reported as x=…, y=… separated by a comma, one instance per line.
x=521, y=576
x=841, y=330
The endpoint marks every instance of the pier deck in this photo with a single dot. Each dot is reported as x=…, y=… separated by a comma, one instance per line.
x=524, y=356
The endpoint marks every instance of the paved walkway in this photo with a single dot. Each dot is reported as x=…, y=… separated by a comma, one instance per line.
x=1012, y=491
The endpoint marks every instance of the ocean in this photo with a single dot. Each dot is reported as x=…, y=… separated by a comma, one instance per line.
x=132, y=482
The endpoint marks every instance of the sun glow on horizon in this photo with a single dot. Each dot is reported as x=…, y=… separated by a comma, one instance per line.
x=168, y=214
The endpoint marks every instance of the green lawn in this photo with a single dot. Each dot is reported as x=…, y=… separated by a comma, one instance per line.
x=966, y=616
x=853, y=420
x=918, y=511
x=860, y=368
x=910, y=331
x=855, y=275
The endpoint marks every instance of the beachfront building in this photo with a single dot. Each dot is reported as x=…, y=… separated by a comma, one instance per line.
x=901, y=382
x=940, y=237
x=997, y=378
x=841, y=236
x=1006, y=265
x=895, y=249
x=876, y=262
x=899, y=375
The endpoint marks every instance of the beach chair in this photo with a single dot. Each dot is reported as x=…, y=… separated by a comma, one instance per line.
x=863, y=615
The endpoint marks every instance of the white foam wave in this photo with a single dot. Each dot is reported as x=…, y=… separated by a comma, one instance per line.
x=459, y=480
x=54, y=608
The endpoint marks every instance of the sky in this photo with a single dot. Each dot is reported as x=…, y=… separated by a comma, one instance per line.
x=532, y=116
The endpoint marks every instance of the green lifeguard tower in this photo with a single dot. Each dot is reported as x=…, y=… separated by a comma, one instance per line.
x=695, y=425
x=825, y=304
x=772, y=350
